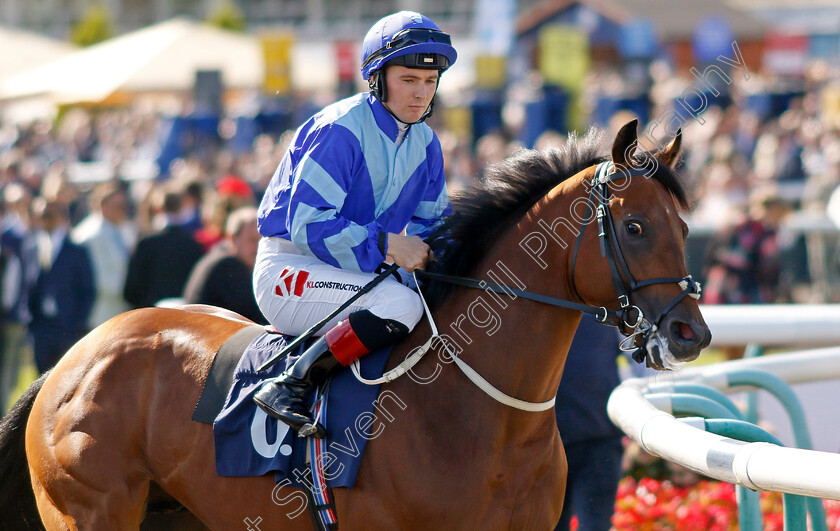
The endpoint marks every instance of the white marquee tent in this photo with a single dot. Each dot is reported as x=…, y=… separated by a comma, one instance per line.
x=163, y=57
x=24, y=50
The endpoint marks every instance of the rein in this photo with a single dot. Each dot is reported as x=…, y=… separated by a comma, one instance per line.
x=639, y=328
x=600, y=312
x=623, y=318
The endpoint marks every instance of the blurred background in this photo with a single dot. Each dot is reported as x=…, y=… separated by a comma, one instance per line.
x=122, y=121
x=198, y=99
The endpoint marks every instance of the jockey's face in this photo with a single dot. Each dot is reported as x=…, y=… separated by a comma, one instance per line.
x=410, y=91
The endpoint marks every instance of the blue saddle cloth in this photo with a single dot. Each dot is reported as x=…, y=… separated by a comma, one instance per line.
x=250, y=443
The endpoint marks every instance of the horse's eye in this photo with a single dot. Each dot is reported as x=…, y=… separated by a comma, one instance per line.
x=634, y=228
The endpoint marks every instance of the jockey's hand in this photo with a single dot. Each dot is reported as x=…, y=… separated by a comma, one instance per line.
x=408, y=252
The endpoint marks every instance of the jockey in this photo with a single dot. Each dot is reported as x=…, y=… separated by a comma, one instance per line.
x=361, y=183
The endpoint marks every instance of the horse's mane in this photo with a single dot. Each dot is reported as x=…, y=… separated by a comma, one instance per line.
x=482, y=210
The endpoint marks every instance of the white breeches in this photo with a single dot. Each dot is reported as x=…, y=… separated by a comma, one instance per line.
x=294, y=291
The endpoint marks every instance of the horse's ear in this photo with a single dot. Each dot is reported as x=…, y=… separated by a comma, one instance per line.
x=670, y=154
x=624, y=145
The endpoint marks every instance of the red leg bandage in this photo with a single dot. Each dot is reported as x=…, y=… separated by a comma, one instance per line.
x=344, y=343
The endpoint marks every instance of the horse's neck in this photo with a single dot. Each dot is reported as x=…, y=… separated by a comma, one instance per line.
x=518, y=345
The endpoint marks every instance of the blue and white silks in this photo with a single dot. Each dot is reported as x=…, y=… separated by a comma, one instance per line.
x=344, y=180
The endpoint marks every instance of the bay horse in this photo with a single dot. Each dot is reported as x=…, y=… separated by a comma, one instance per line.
x=109, y=439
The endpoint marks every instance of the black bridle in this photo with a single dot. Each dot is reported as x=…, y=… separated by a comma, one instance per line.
x=629, y=318
x=632, y=321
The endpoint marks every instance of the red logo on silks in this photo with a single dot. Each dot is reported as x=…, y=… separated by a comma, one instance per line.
x=290, y=278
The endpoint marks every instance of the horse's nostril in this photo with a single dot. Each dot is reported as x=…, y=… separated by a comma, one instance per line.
x=684, y=331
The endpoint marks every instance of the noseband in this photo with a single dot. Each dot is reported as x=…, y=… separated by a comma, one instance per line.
x=631, y=320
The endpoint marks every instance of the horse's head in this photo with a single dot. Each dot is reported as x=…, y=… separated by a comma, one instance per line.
x=630, y=254
x=608, y=235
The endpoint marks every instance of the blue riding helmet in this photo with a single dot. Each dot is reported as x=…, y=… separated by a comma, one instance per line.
x=409, y=39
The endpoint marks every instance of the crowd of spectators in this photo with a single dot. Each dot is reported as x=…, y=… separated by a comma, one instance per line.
x=768, y=158
x=84, y=238
x=79, y=248
x=142, y=236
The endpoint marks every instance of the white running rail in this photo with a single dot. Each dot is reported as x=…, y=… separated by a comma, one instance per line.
x=773, y=324
x=758, y=466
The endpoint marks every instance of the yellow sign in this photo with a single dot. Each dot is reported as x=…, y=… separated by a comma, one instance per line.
x=458, y=120
x=490, y=71
x=277, y=53
x=831, y=105
x=563, y=56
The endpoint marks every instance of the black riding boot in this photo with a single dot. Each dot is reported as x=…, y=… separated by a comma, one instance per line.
x=284, y=397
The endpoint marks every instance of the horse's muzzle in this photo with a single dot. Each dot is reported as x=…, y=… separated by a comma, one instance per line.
x=677, y=342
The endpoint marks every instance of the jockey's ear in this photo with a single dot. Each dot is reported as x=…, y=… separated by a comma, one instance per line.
x=670, y=154
x=624, y=145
